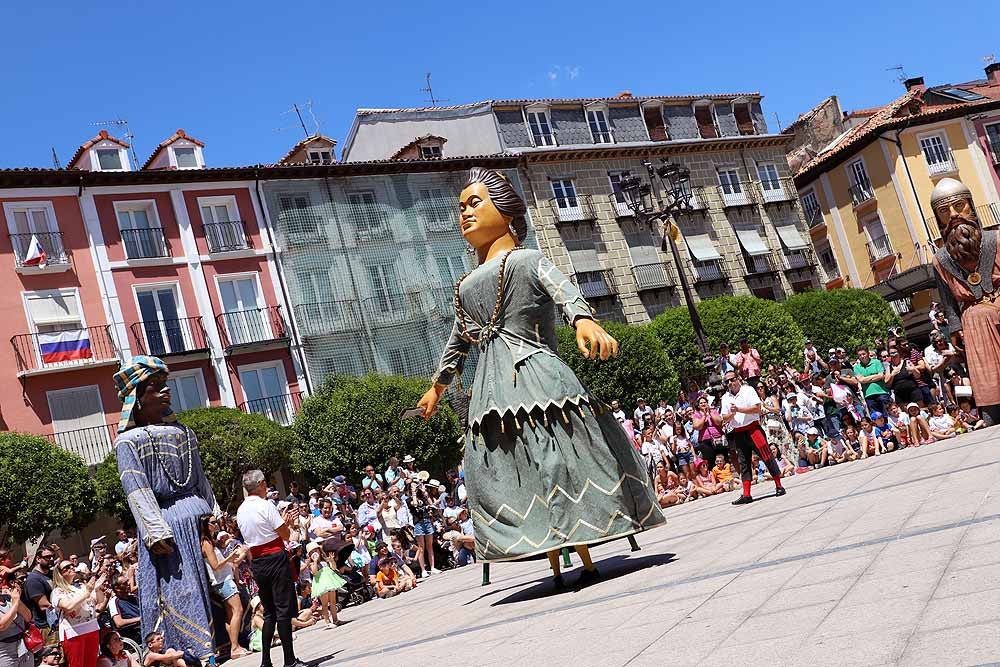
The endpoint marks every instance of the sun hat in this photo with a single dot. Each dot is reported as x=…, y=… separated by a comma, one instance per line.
x=423, y=475
x=789, y=397
x=312, y=546
x=812, y=430
x=222, y=535
x=255, y=602
x=313, y=492
x=912, y=405
x=434, y=482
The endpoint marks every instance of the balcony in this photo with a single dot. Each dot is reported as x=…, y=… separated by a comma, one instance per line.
x=651, y=276
x=251, y=329
x=572, y=209
x=737, y=194
x=145, y=243
x=595, y=284
x=814, y=217
x=52, y=244
x=227, y=236
x=370, y=221
x=38, y=353
x=994, y=146
x=799, y=259
x=165, y=338
x=328, y=317
x=879, y=248
x=777, y=190
x=758, y=264
x=861, y=193
x=439, y=219
x=619, y=206
x=279, y=409
x=708, y=271
x=390, y=309
x=92, y=444
x=944, y=163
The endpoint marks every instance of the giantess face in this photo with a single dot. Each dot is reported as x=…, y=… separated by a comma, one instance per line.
x=479, y=220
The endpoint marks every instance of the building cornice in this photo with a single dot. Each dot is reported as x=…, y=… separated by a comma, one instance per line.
x=647, y=148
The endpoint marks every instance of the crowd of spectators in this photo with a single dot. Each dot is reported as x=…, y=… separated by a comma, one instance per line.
x=833, y=408
x=350, y=544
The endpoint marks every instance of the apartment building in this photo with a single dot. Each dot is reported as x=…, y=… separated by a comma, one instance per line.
x=866, y=192
x=170, y=259
x=746, y=235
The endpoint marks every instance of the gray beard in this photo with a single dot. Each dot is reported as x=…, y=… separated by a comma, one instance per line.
x=964, y=243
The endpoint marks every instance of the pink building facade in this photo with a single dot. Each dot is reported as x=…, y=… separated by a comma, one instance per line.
x=172, y=260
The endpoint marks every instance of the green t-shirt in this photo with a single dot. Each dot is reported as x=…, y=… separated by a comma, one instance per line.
x=874, y=367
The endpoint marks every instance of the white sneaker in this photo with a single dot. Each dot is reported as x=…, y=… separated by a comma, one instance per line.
x=428, y=573
x=434, y=570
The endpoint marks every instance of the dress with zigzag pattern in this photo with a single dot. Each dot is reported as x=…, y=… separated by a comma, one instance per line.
x=546, y=464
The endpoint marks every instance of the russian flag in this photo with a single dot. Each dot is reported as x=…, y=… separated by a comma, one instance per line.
x=64, y=346
x=36, y=253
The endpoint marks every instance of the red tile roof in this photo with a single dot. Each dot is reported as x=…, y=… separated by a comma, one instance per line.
x=179, y=134
x=302, y=144
x=87, y=145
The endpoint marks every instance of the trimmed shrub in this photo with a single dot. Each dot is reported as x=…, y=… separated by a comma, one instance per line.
x=109, y=494
x=842, y=318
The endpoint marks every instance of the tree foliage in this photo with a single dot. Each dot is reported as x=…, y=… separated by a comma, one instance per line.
x=354, y=421
x=641, y=369
x=765, y=324
x=842, y=318
x=109, y=494
x=42, y=488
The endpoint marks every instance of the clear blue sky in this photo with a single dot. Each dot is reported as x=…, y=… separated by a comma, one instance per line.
x=228, y=71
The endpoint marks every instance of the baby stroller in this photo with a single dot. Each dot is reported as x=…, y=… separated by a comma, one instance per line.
x=357, y=589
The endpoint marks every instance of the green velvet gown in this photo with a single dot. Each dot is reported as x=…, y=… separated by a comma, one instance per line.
x=546, y=464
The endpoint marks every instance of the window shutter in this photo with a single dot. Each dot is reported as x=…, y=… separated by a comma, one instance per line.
x=706, y=122
x=744, y=121
x=654, y=123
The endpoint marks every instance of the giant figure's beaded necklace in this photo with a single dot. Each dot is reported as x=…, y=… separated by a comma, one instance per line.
x=487, y=331
x=153, y=441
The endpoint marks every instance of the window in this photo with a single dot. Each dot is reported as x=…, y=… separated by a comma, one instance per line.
x=598, y=121
x=704, y=115
x=878, y=240
x=369, y=218
x=223, y=228
x=729, y=180
x=243, y=311
x=653, y=118
x=860, y=187
x=439, y=212
x=564, y=191
x=186, y=158
x=296, y=216
x=266, y=391
x=140, y=229
x=617, y=198
x=430, y=152
x=385, y=286
x=768, y=175
x=828, y=261
x=187, y=390
x=109, y=159
x=320, y=157
x=451, y=268
x=54, y=310
x=810, y=206
x=79, y=424
x=993, y=139
x=936, y=154
x=960, y=94
x=165, y=330
x=37, y=220
x=541, y=130
x=744, y=117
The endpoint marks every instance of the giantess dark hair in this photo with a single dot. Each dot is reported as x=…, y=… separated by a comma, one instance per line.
x=504, y=197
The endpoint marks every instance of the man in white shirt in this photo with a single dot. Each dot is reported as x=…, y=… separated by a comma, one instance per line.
x=643, y=414
x=617, y=412
x=740, y=416
x=265, y=531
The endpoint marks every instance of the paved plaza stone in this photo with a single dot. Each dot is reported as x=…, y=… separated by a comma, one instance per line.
x=894, y=560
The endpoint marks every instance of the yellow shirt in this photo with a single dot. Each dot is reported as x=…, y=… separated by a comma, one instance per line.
x=723, y=473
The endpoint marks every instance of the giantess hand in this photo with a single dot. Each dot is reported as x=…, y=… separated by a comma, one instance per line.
x=593, y=341
x=429, y=401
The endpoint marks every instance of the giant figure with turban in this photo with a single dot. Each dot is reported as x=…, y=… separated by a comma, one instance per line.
x=167, y=491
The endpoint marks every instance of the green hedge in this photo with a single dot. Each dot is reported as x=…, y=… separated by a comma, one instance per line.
x=841, y=318
x=640, y=370
x=765, y=323
x=354, y=421
x=109, y=494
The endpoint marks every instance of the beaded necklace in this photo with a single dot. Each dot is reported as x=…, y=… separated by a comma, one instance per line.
x=163, y=463
x=487, y=331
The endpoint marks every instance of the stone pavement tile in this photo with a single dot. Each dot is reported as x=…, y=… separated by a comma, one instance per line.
x=966, y=645
x=887, y=615
x=850, y=649
x=982, y=533
x=764, y=651
x=881, y=587
x=969, y=580
x=804, y=596
x=975, y=556
x=765, y=579
x=958, y=610
x=790, y=621
x=690, y=642
x=905, y=556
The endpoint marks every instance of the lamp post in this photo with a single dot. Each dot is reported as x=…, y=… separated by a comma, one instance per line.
x=665, y=193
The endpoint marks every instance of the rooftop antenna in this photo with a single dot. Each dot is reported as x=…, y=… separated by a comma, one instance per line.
x=430, y=92
x=989, y=58
x=297, y=110
x=900, y=74
x=129, y=137
x=55, y=159
x=778, y=121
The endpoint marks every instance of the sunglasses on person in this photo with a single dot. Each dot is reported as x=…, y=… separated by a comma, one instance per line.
x=65, y=566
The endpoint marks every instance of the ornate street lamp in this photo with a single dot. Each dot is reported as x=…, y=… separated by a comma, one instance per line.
x=659, y=199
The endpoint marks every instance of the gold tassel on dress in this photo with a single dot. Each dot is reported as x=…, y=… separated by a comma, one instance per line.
x=565, y=415
x=531, y=421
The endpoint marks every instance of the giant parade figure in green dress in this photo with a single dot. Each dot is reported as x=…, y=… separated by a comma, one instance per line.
x=546, y=464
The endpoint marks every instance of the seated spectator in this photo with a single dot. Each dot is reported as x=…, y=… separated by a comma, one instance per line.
x=396, y=550
x=372, y=480
x=815, y=448
x=113, y=652
x=852, y=444
x=463, y=539
x=889, y=436
x=308, y=607
x=125, y=611
x=685, y=489
x=898, y=421
x=918, y=430
x=388, y=582
x=956, y=385
x=969, y=415
x=705, y=483
x=158, y=655
x=871, y=443
x=940, y=424
x=665, y=486
x=758, y=469
x=786, y=467
x=723, y=472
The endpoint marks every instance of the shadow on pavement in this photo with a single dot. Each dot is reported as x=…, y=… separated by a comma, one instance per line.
x=610, y=568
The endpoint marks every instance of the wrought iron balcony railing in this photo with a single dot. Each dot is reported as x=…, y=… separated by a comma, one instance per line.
x=145, y=243
x=861, y=192
x=595, y=284
x=280, y=409
x=799, y=259
x=327, y=317
x=573, y=209
x=92, y=444
x=163, y=338
x=227, y=236
x=774, y=190
x=737, y=193
x=708, y=271
x=619, y=206
x=757, y=264
x=247, y=327
x=387, y=309
x=52, y=244
x=879, y=248
x=652, y=276
x=69, y=348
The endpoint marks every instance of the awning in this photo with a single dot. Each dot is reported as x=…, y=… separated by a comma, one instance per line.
x=790, y=237
x=702, y=247
x=641, y=249
x=585, y=260
x=752, y=242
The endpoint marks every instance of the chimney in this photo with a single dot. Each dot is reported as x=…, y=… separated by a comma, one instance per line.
x=993, y=73
x=624, y=95
x=916, y=82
